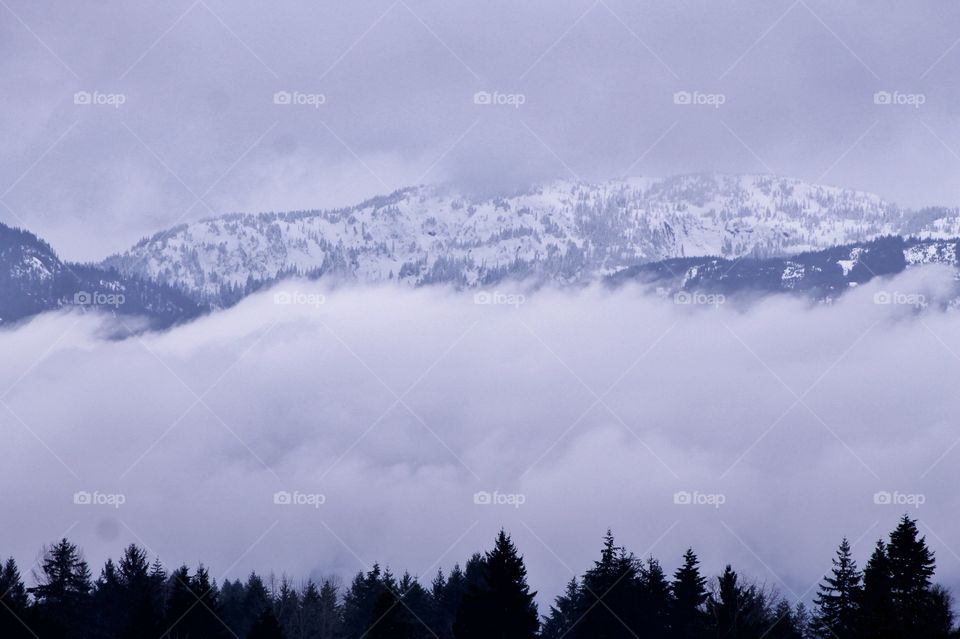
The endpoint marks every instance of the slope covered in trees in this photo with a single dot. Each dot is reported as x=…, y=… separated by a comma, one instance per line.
x=620, y=596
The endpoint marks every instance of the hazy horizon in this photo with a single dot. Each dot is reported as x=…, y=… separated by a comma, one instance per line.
x=751, y=369
x=182, y=121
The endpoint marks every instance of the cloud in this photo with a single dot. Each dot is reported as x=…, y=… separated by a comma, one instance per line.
x=569, y=411
x=399, y=80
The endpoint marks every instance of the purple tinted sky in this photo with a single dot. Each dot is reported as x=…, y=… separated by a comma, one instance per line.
x=199, y=133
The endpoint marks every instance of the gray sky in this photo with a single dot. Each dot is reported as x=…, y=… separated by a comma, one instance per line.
x=198, y=131
x=400, y=405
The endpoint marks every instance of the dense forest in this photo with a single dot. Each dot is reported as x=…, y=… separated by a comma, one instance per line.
x=620, y=596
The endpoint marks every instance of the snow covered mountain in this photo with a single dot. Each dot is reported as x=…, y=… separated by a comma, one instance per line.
x=714, y=233
x=33, y=280
x=563, y=231
x=823, y=275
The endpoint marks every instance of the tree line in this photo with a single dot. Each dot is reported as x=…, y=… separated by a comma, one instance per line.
x=620, y=597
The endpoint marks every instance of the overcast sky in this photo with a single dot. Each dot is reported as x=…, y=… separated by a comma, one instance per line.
x=399, y=405
x=182, y=121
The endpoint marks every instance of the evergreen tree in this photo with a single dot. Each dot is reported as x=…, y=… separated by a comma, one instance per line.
x=12, y=591
x=232, y=595
x=656, y=601
x=320, y=612
x=330, y=613
x=784, y=623
x=911, y=569
x=610, y=595
x=63, y=591
x=14, y=602
x=107, y=605
x=388, y=620
x=838, y=600
x=876, y=606
x=737, y=611
x=498, y=602
x=917, y=608
x=194, y=607
x=689, y=589
x=310, y=614
x=205, y=619
x=140, y=595
x=417, y=607
x=159, y=587
x=287, y=609
x=563, y=613
x=266, y=626
x=400, y=609
x=437, y=587
x=939, y=614
x=180, y=600
x=359, y=602
x=256, y=599
x=447, y=597
x=804, y=621
x=618, y=597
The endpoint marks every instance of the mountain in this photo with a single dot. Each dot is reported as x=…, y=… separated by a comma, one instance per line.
x=564, y=232
x=33, y=280
x=821, y=274
x=716, y=233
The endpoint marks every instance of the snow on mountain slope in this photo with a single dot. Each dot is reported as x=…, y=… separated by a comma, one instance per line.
x=33, y=280
x=563, y=231
x=823, y=274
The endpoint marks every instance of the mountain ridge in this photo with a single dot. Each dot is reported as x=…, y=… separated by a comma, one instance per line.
x=33, y=279
x=702, y=232
x=562, y=231
x=823, y=275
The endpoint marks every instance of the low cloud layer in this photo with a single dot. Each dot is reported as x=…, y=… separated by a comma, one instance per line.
x=572, y=412
x=176, y=117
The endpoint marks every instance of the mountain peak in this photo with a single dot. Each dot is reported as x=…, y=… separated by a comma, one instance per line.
x=562, y=230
